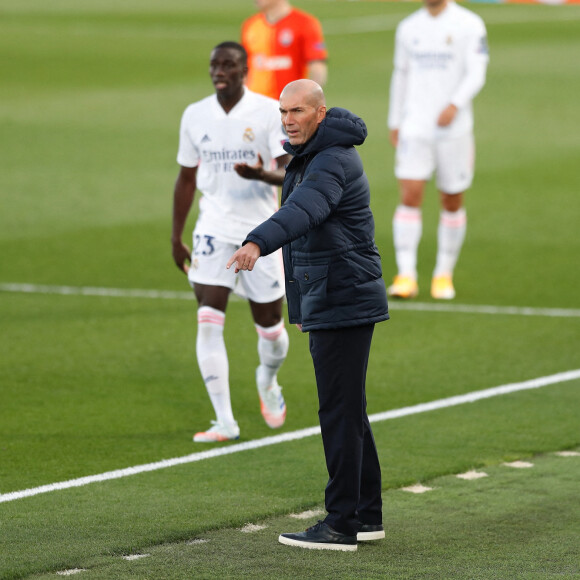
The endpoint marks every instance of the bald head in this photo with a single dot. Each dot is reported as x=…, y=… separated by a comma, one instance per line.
x=305, y=89
x=303, y=107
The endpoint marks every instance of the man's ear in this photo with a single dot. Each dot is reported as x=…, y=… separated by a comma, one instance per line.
x=321, y=113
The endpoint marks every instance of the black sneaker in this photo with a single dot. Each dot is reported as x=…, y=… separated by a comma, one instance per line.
x=320, y=537
x=369, y=532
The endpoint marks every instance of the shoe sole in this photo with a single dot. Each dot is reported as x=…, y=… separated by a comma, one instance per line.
x=443, y=295
x=197, y=439
x=447, y=292
x=273, y=421
x=370, y=536
x=403, y=295
x=317, y=545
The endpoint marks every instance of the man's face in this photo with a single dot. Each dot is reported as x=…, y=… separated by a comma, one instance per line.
x=227, y=71
x=300, y=118
x=434, y=3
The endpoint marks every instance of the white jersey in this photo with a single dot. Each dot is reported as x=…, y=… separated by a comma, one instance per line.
x=439, y=60
x=214, y=141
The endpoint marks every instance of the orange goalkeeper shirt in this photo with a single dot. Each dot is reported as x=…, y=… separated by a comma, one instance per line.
x=279, y=53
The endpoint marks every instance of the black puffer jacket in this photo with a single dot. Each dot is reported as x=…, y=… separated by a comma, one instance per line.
x=326, y=228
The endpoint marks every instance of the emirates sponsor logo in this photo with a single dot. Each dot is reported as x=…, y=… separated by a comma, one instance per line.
x=223, y=160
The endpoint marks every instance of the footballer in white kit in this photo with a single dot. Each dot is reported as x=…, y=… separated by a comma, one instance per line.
x=232, y=206
x=440, y=64
x=231, y=150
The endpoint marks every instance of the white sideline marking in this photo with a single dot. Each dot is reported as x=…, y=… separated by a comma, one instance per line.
x=477, y=396
x=483, y=309
x=96, y=291
x=135, y=557
x=307, y=514
x=177, y=295
x=471, y=475
x=519, y=464
x=417, y=488
x=251, y=528
x=568, y=453
x=295, y=435
x=71, y=571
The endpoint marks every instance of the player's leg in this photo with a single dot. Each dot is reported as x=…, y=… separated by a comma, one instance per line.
x=414, y=166
x=454, y=176
x=264, y=287
x=212, y=284
x=212, y=359
x=272, y=350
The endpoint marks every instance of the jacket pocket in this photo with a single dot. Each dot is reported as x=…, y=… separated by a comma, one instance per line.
x=312, y=281
x=308, y=276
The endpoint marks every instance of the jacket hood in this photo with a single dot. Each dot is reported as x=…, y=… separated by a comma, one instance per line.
x=339, y=127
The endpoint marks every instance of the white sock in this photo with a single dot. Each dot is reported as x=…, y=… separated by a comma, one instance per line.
x=272, y=350
x=213, y=360
x=407, y=230
x=450, y=236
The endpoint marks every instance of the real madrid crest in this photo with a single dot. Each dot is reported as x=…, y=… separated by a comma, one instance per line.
x=248, y=136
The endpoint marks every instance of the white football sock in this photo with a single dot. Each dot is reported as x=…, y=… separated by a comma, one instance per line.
x=450, y=236
x=407, y=230
x=213, y=360
x=272, y=350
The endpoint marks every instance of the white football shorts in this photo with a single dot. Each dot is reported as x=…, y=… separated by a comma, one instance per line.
x=453, y=161
x=265, y=283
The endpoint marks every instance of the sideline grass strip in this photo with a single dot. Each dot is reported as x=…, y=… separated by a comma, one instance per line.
x=296, y=435
x=68, y=529
x=516, y=524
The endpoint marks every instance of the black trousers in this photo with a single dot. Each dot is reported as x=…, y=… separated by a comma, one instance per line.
x=353, y=492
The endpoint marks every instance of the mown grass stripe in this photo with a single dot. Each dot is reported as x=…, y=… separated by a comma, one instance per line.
x=293, y=436
x=179, y=295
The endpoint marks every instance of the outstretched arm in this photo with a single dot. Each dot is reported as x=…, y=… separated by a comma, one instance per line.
x=183, y=195
x=246, y=257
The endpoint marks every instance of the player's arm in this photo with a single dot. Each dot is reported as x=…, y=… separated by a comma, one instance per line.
x=318, y=71
x=476, y=59
x=398, y=89
x=313, y=50
x=257, y=171
x=183, y=196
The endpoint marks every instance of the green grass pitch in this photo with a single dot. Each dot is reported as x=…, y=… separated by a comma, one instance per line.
x=91, y=98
